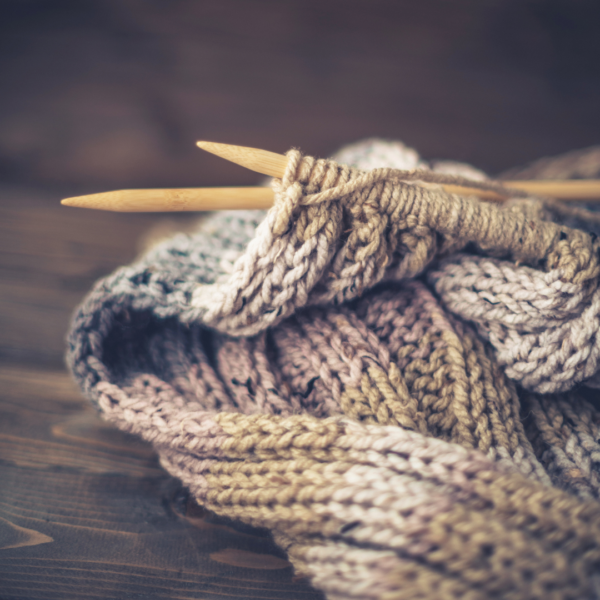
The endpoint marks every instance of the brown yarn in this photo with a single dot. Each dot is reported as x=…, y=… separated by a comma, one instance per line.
x=335, y=232
x=370, y=430
x=564, y=430
x=487, y=225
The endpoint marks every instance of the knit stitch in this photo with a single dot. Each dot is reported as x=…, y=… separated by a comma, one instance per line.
x=544, y=327
x=336, y=231
x=294, y=374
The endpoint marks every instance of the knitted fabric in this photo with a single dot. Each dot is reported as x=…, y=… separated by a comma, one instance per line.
x=543, y=325
x=294, y=374
x=336, y=231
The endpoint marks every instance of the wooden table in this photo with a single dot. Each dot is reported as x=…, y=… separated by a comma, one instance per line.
x=85, y=510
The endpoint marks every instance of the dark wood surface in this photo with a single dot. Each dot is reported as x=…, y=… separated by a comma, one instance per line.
x=109, y=94
x=85, y=510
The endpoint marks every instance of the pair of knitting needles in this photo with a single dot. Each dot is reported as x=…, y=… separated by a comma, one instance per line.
x=274, y=165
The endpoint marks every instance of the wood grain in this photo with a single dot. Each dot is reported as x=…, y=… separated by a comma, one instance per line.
x=87, y=512
x=112, y=93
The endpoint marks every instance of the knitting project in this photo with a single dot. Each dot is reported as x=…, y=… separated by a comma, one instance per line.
x=396, y=381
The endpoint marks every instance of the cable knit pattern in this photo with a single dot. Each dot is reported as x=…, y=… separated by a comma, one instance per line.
x=543, y=325
x=544, y=329
x=336, y=231
x=293, y=373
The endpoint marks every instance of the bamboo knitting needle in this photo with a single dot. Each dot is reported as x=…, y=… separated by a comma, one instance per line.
x=261, y=161
x=176, y=200
x=269, y=163
x=272, y=164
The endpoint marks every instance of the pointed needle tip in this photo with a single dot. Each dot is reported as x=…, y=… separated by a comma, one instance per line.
x=261, y=161
x=90, y=201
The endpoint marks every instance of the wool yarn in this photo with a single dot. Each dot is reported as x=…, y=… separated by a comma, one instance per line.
x=542, y=326
x=306, y=370
x=544, y=329
x=335, y=231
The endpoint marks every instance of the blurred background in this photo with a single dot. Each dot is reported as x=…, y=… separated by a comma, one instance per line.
x=98, y=94
x=109, y=94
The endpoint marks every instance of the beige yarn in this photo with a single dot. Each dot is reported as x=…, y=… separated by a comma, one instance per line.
x=544, y=327
x=377, y=512
x=371, y=430
x=336, y=231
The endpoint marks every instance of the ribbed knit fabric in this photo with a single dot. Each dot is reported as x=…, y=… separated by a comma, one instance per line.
x=313, y=370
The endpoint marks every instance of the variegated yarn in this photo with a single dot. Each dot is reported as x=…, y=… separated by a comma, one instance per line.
x=296, y=372
x=543, y=326
x=335, y=231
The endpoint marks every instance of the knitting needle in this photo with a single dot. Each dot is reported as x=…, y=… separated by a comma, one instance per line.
x=261, y=161
x=562, y=189
x=176, y=200
x=269, y=163
x=201, y=199
x=248, y=198
x=274, y=165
